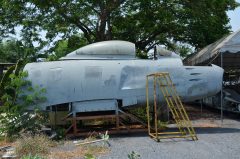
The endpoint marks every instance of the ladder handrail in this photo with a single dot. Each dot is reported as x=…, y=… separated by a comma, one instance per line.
x=174, y=103
x=178, y=104
x=172, y=109
x=174, y=88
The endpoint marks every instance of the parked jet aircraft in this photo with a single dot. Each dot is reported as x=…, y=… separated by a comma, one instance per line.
x=106, y=75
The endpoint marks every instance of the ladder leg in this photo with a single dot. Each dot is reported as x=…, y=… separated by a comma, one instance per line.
x=155, y=108
x=174, y=104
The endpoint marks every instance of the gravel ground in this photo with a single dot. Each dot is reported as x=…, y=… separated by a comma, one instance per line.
x=218, y=141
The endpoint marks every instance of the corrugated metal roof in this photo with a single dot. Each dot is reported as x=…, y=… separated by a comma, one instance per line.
x=227, y=44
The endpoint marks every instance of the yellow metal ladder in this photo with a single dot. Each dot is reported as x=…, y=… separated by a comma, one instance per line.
x=162, y=81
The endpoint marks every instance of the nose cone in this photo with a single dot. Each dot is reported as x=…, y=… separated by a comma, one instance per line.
x=215, y=78
x=203, y=81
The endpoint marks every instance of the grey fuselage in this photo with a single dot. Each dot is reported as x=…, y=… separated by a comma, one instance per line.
x=85, y=80
x=96, y=84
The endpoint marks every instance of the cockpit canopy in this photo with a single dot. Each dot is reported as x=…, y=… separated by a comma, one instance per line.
x=113, y=49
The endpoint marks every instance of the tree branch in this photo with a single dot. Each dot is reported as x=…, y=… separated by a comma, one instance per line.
x=86, y=31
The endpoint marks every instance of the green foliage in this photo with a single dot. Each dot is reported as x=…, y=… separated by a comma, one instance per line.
x=17, y=95
x=60, y=50
x=140, y=112
x=12, y=50
x=61, y=133
x=182, y=49
x=63, y=47
x=133, y=155
x=89, y=156
x=105, y=136
x=33, y=146
x=32, y=157
x=5, y=79
x=144, y=22
x=162, y=124
x=141, y=54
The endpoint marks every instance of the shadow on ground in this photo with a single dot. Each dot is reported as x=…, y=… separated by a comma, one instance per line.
x=198, y=131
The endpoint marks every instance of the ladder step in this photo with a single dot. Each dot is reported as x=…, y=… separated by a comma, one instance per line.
x=175, y=106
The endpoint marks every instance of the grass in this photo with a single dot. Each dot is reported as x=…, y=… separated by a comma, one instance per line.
x=41, y=147
x=139, y=112
x=4, y=142
x=79, y=151
x=32, y=157
x=162, y=125
x=33, y=145
x=69, y=150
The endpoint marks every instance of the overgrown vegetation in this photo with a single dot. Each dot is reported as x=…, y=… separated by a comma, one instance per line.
x=88, y=150
x=140, y=112
x=33, y=146
x=33, y=157
x=89, y=156
x=17, y=95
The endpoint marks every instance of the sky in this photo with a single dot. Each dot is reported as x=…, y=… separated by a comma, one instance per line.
x=235, y=18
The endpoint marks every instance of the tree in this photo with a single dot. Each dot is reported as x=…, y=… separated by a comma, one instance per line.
x=144, y=22
x=12, y=50
x=63, y=47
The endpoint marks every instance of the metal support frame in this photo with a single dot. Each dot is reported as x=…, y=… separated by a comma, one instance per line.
x=169, y=92
x=221, y=91
x=117, y=116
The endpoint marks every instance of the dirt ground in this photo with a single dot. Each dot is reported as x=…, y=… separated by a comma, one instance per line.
x=217, y=140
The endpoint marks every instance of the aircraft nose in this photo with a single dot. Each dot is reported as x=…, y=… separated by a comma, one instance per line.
x=215, y=78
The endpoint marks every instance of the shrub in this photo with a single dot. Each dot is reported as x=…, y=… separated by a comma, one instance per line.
x=17, y=95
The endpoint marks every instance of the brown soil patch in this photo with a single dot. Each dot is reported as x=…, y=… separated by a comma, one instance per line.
x=68, y=151
x=206, y=125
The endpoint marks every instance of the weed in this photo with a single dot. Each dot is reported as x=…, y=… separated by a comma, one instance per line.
x=33, y=145
x=139, y=112
x=162, y=125
x=88, y=151
x=32, y=157
x=89, y=156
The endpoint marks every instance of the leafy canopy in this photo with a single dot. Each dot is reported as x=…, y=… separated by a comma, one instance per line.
x=144, y=22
